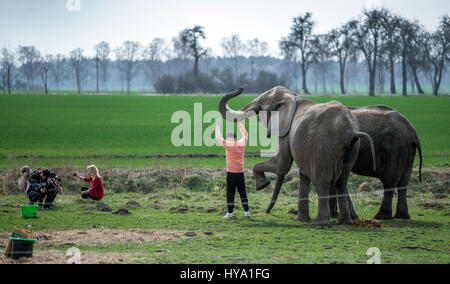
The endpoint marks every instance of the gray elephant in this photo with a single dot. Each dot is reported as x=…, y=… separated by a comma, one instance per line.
x=323, y=140
x=396, y=142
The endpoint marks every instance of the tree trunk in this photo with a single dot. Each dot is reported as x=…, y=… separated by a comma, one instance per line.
x=392, y=69
x=372, y=83
x=342, y=83
x=96, y=73
x=416, y=79
x=341, y=76
x=45, y=81
x=304, y=85
x=404, y=76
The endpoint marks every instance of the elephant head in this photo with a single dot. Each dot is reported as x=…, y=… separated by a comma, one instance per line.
x=277, y=99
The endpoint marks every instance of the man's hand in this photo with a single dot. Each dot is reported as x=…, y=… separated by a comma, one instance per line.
x=42, y=190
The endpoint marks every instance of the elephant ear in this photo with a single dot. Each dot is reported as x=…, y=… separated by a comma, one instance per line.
x=286, y=115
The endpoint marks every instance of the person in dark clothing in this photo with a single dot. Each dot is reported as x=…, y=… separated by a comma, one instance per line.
x=43, y=185
x=236, y=180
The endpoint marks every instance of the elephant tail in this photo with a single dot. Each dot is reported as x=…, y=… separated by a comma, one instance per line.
x=372, y=147
x=419, y=149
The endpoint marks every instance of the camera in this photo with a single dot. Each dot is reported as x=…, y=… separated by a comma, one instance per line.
x=50, y=184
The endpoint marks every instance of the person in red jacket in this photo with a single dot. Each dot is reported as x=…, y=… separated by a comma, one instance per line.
x=96, y=192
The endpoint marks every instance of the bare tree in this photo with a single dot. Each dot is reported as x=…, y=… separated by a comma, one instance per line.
x=391, y=25
x=291, y=55
x=29, y=58
x=438, y=49
x=233, y=48
x=102, y=51
x=322, y=56
x=44, y=66
x=191, y=40
x=78, y=61
x=153, y=55
x=127, y=56
x=417, y=58
x=300, y=38
x=255, y=49
x=341, y=45
x=367, y=34
x=8, y=64
x=408, y=32
x=56, y=68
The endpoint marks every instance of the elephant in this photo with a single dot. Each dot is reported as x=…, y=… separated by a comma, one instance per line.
x=396, y=142
x=322, y=139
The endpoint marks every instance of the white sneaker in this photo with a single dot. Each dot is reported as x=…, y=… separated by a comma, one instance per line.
x=229, y=216
x=247, y=214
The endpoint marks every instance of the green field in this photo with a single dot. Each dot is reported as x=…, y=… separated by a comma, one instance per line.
x=274, y=238
x=66, y=133
x=63, y=130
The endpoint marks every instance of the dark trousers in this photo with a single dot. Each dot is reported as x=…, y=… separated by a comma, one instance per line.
x=37, y=196
x=236, y=181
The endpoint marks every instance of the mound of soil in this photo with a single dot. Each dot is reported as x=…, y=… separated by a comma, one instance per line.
x=122, y=212
x=434, y=205
x=179, y=209
x=133, y=204
x=212, y=210
x=103, y=207
x=368, y=223
x=190, y=234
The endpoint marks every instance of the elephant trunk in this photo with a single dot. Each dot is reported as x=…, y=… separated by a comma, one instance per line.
x=232, y=115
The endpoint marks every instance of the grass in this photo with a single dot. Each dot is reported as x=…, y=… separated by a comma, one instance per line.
x=274, y=238
x=73, y=127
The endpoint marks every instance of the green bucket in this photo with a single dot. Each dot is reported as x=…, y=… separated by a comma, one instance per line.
x=21, y=248
x=29, y=211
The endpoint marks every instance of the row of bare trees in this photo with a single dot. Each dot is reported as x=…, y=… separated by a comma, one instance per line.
x=380, y=39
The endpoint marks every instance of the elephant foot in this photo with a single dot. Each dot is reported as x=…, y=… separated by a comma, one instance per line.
x=321, y=221
x=334, y=214
x=345, y=221
x=303, y=218
x=262, y=185
x=402, y=215
x=383, y=216
x=354, y=216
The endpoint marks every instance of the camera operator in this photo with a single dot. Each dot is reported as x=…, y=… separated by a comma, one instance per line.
x=44, y=185
x=24, y=178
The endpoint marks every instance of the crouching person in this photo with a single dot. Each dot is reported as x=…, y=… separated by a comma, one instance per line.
x=43, y=185
x=96, y=192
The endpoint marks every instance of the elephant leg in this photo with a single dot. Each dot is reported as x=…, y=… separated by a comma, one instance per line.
x=343, y=197
x=333, y=202
x=280, y=165
x=303, y=199
x=323, y=217
x=353, y=213
x=402, y=203
x=385, y=212
x=276, y=192
x=259, y=171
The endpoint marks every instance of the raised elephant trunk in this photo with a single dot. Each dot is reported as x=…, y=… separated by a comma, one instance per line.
x=232, y=115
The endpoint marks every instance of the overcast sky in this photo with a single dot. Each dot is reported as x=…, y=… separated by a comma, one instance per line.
x=50, y=26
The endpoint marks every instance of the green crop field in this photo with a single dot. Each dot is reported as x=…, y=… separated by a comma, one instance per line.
x=46, y=131
x=181, y=201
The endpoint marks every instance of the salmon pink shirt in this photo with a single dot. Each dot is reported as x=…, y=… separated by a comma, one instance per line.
x=235, y=150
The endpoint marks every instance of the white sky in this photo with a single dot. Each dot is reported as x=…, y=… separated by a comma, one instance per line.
x=48, y=24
